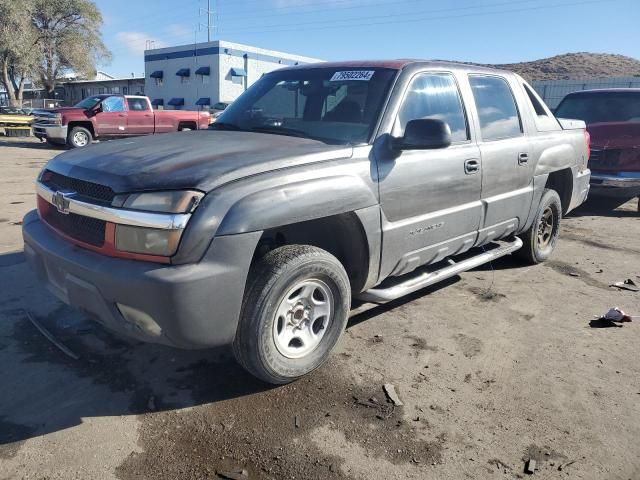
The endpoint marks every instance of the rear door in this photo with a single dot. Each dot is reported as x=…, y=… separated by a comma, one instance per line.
x=139, y=117
x=507, y=183
x=430, y=199
x=111, y=120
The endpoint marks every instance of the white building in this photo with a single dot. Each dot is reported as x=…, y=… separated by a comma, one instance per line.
x=200, y=75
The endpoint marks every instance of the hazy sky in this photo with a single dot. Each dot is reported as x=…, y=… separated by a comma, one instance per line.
x=488, y=31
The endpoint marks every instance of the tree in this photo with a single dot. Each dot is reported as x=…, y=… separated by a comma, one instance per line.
x=18, y=57
x=68, y=39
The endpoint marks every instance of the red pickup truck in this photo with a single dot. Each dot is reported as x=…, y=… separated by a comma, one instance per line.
x=112, y=116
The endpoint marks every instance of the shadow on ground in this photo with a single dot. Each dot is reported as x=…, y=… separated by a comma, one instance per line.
x=606, y=206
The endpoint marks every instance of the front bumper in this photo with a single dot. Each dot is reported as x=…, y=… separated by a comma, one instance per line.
x=185, y=306
x=56, y=133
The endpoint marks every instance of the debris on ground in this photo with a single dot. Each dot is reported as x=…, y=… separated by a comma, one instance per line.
x=615, y=314
x=239, y=475
x=297, y=422
x=499, y=464
x=390, y=391
x=49, y=336
x=574, y=274
x=628, y=284
x=562, y=466
x=530, y=466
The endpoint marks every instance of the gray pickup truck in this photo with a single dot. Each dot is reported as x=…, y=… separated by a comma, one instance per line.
x=320, y=183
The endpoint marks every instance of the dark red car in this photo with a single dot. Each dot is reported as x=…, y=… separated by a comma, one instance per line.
x=112, y=116
x=613, y=121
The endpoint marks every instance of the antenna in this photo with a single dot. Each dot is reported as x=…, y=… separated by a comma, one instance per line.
x=209, y=12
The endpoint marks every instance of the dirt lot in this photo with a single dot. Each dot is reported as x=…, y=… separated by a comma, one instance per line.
x=497, y=366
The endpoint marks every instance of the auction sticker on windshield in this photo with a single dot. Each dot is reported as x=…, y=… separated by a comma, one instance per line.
x=362, y=75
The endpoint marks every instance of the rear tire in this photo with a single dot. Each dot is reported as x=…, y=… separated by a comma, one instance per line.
x=79, y=137
x=295, y=308
x=540, y=240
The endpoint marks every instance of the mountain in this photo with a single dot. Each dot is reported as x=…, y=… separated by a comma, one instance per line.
x=571, y=66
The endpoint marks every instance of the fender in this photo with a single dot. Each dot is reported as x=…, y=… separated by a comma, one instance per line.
x=556, y=158
x=297, y=202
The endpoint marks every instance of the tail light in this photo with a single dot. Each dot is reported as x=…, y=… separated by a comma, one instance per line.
x=587, y=137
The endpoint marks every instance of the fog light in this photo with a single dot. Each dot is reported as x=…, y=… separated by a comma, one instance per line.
x=140, y=319
x=149, y=241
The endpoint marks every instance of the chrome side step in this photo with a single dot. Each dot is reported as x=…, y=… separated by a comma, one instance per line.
x=382, y=294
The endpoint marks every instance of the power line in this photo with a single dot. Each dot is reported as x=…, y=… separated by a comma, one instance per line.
x=424, y=16
x=412, y=18
x=412, y=13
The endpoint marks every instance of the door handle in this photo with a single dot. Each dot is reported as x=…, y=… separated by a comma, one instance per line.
x=121, y=115
x=471, y=166
x=523, y=158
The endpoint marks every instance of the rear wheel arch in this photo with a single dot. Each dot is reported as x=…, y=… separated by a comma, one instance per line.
x=562, y=182
x=185, y=126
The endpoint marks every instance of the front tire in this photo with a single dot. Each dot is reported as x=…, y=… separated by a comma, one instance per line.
x=79, y=137
x=540, y=240
x=295, y=308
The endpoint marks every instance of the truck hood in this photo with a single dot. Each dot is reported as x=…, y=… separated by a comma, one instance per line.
x=200, y=160
x=50, y=112
x=615, y=135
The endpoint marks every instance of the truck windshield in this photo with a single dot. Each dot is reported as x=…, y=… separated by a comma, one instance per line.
x=88, y=103
x=601, y=107
x=339, y=106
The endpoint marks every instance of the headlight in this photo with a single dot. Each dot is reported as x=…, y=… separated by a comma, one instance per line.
x=148, y=241
x=57, y=119
x=153, y=241
x=182, y=201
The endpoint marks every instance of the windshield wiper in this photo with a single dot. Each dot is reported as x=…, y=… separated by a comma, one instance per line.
x=292, y=132
x=224, y=126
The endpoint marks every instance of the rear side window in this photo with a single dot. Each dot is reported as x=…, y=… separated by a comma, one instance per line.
x=434, y=96
x=497, y=111
x=537, y=106
x=138, y=104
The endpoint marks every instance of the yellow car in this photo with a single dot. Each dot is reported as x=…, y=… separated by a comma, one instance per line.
x=14, y=117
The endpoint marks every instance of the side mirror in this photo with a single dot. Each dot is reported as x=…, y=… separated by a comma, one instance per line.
x=424, y=134
x=97, y=109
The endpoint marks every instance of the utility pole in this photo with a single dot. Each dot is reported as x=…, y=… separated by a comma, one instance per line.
x=209, y=13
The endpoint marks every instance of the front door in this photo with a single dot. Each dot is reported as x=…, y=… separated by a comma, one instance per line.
x=430, y=199
x=139, y=117
x=507, y=179
x=111, y=120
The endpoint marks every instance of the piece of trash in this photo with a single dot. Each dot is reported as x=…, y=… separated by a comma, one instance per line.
x=562, y=466
x=628, y=284
x=365, y=403
x=297, y=422
x=574, y=274
x=50, y=337
x=239, y=475
x=390, y=390
x=530, y=466
x=615, y=314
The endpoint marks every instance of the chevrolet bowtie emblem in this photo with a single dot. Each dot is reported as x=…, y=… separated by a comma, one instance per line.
x=60, y=200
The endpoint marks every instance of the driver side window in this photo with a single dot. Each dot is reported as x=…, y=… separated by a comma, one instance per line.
x=113, y=104
x=433, y=95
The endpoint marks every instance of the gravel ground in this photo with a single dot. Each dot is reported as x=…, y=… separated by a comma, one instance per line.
x=498, y=366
